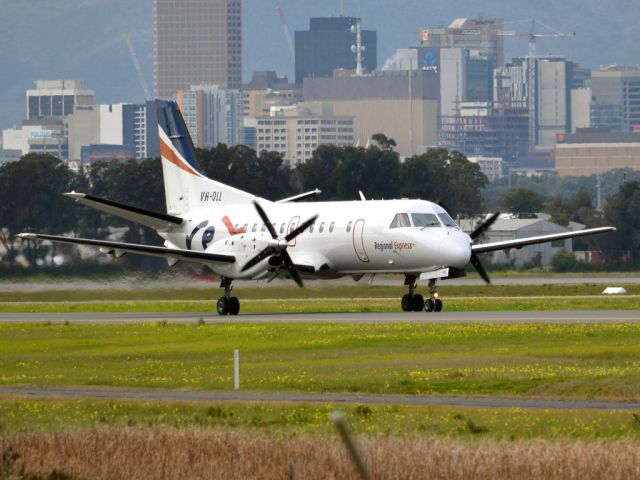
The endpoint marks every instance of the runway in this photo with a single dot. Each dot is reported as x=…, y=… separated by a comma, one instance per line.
x=286, y=397
x=550, y=316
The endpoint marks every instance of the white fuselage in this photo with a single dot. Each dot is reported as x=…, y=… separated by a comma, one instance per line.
x=348, y=238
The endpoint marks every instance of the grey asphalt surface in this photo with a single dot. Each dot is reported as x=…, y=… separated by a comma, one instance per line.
x=284, y=397
x=590, y=316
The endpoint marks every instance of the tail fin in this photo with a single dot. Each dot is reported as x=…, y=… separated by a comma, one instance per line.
x=185, y=185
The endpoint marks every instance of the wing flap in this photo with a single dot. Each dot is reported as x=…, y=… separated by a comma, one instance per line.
x=119, y=249
x=521, y=242
x=158, y=221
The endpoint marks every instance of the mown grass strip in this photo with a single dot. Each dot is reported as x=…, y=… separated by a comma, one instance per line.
x=333, y=305
x=566, y=361
x=20, y=415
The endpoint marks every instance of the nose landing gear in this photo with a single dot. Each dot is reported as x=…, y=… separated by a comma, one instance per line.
x=433, y=304
x=227, y=305
x=414, y=302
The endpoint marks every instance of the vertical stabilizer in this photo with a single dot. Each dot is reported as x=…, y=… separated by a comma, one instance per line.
x=185, y=185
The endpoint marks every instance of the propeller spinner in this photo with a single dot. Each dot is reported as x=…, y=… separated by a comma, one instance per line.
x=278, y=245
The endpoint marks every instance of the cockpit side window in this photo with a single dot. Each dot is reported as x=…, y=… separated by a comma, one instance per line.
x=400, y=220
x=425, y=220
x=447, y=220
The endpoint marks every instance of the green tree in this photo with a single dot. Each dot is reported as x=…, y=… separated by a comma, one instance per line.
x=383, y=141
x=30, y=195
x=563, y=261
x=521, y=201
x=623, y=212
x=445, y=177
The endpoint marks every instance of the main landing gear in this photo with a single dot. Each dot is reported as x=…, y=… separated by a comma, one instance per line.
x=414, y=302
x=227, y=305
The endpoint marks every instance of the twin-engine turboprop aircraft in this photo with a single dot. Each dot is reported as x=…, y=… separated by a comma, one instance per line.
x=241, y=236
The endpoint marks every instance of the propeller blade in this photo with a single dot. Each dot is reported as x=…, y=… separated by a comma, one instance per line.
x=292, y=268
x=293, y=234
x=265, y=220
x=484, y=226
x=267, y=252
x=475, y=261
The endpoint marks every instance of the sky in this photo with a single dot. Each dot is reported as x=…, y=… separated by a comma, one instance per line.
x=82, y=39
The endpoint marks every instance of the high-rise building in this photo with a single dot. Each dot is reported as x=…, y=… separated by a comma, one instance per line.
x=56, y=98
x=196, y=42
x=212, y=114
x=477, y=34
x=616, y=98
x=296, y=131
x=326, y=47
x=402, y=105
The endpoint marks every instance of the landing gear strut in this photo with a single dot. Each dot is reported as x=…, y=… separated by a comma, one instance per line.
x=227, y=305
x=412, y=302
x=433, y=304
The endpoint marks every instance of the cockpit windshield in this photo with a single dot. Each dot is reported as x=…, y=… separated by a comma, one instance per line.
x=447, y=220
x=425, y=220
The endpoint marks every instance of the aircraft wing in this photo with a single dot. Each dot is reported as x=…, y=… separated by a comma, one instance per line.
x=158, y=221
x=521, y=242
x=119, y=249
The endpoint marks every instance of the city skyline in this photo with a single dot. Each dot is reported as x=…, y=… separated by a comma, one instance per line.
x=103, y=62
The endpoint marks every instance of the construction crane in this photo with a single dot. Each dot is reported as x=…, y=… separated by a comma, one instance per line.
x=127, y=39
x=531, y=62
x=531, y=71
x=287, y=33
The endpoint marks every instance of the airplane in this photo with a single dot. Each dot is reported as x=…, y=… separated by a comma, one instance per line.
x=242, y=237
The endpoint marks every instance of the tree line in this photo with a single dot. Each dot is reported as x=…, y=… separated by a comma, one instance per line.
x=31, y=188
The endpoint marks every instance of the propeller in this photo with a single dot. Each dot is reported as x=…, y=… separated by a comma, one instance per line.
x=279, y=244
x=480, y=229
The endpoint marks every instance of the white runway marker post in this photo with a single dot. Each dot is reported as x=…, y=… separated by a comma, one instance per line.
x=236, y=369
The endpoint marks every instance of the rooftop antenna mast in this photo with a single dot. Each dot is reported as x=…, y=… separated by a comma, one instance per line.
x=358, y=48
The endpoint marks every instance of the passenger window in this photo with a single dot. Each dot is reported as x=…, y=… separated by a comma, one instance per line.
x=282, y=228
x=255, y=227
x=264, y=228
x=244, y=229
x=321, y=227
x=349, y=226
x=311, y=228
x=400, y=220
x=425, y=220
x=333, y=224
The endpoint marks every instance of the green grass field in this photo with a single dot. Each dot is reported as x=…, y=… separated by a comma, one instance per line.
x=320, y=298
x=583, y=361
x=20, y=415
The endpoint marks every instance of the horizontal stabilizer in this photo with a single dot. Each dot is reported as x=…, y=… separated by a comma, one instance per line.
x=119, y=248
x=155, y=220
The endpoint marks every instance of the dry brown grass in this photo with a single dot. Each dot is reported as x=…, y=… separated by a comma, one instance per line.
x=194, y=454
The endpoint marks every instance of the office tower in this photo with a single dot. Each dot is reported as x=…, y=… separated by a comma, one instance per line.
x=56, y=98
x=326, y=47
x=212, y=114
x=196, y=42
x=616, y=98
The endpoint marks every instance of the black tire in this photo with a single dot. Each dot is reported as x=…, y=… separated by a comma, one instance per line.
x=234, y=306
x=418, y=302
x=222, y=306
x=406, y=303
x=429, y=305
x=438, y=305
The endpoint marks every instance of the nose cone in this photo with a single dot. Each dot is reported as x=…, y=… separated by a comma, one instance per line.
x=455, y=250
